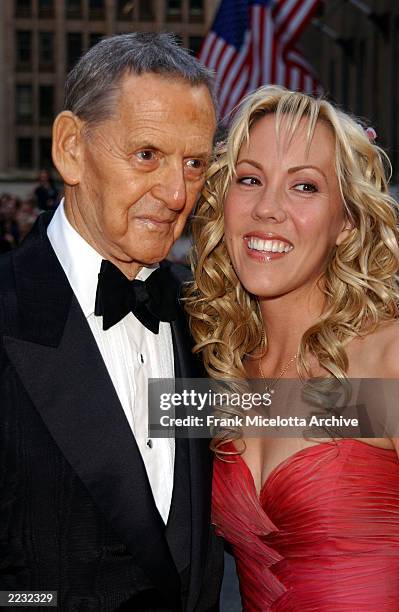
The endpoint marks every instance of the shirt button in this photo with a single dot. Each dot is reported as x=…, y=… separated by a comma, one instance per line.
x=149, y=443
x=141, y=358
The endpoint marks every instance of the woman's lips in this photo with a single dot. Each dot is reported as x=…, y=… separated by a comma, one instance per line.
x=267, y=247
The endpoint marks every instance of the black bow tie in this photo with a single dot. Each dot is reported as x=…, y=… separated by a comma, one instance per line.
x=150, y=301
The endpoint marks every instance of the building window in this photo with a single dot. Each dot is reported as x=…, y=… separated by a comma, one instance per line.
x=73, y=9
x=45, y=160
x=23, y=8
x=24, y=152
x=74, y=48
x=196, y=10
x=94, y=38
x=24, y=104
x=146, y=10
x=46, y=104
x=46, y=9
x=46, y=50
x=125, y=10
x=24, y=49
x=96, y=9
x=173, y=10
x=194, y=43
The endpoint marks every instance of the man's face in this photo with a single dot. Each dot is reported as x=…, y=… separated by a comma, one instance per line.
x=142, y=169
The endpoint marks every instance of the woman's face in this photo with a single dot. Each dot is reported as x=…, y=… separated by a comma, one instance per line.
x=283, y=211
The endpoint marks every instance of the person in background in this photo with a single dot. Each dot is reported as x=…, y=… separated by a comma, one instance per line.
x=26, y=216
x=46, y=193
x=17, y=217
x=9, y=228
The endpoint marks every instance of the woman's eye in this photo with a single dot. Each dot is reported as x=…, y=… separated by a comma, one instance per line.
x=306, y=187
x=248, y=180
x=146, y=155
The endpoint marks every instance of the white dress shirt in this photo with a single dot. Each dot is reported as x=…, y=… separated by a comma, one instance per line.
x=131, y=352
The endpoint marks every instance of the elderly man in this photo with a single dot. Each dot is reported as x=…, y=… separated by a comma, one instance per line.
x=90, y=506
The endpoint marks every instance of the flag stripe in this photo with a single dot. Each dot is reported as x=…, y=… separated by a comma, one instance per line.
x=281, y=9
x=225, y=65
x=228, y=83
x=206, y=47
x=298, y=19
x=216, y=51
x=256, y=63
x=268, y=48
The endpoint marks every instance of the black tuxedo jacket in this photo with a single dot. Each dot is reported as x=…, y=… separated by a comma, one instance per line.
x=77, y=513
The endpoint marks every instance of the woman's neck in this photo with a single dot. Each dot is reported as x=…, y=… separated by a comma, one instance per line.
x=285, y=320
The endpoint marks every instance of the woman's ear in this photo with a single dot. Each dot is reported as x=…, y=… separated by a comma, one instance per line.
x=344, y=233
x=67, y=147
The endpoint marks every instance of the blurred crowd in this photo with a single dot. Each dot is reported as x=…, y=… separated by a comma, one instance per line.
x=17, y=215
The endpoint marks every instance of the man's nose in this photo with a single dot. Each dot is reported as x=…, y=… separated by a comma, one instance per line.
x=171, y=188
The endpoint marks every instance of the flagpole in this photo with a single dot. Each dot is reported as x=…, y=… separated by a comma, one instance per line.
x=347, y=44
x=380, y=21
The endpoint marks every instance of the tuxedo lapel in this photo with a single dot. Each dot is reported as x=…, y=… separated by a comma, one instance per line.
x=61, y=368
x=188, y=365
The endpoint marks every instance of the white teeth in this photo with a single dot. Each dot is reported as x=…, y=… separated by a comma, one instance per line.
x=271, y=246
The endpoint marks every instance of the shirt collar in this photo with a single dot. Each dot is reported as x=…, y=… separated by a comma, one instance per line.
x=80, y=261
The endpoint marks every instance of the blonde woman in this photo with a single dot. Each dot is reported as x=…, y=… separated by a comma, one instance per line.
x=296, y=256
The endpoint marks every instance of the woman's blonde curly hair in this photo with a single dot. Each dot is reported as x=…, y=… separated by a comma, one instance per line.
x=360, y=282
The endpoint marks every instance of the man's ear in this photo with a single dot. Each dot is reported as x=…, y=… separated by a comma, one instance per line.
x=67, y=146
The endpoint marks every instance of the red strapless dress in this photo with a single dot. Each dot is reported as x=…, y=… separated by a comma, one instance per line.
x=322, y=536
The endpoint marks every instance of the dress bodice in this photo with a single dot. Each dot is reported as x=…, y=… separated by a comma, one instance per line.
x=322, y=535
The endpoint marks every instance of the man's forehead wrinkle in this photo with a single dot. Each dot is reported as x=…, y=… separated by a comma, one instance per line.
x=144, y=114
x=148, y=134
x=163, y=108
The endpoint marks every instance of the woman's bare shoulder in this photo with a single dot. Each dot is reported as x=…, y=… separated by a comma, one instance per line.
x=389, y=348
x=376, y=355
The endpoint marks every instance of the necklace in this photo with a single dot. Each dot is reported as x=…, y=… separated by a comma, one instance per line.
x=272, y=387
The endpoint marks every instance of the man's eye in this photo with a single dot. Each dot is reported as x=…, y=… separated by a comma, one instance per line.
x=248, y=180
x=306, y=187
x=146, y=155
x=195, y=164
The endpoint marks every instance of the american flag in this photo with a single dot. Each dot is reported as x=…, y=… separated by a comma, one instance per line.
x=252, y=43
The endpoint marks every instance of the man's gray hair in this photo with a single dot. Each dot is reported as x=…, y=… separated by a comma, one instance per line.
x=92, y=85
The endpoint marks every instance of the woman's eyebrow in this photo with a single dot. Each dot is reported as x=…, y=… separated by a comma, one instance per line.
x=297, y=168
x=251, y=162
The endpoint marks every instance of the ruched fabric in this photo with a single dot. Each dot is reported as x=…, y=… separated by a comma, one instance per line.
x=322, y=536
